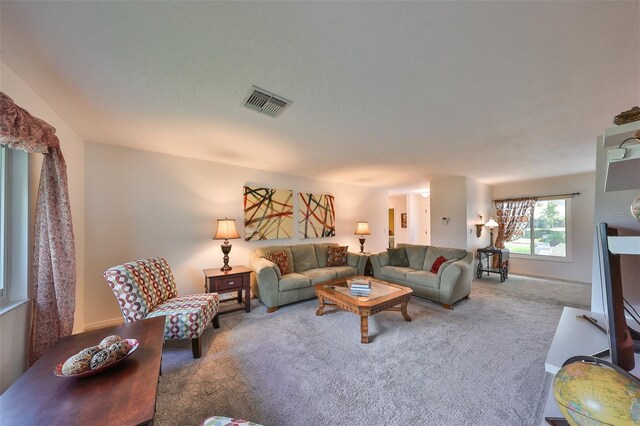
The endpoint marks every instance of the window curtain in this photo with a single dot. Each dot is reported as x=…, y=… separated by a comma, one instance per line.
x=54, y=264
x=512, y=217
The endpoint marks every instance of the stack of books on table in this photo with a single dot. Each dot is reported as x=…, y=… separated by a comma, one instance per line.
x=360, y=287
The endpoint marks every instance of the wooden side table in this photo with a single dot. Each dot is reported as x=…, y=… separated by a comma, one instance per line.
x=368, y=267
x=235, y=280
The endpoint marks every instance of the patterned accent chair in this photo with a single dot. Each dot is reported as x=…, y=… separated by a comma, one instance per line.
x=146, y=288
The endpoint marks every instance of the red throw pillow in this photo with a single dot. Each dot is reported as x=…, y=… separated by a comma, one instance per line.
x=437, y=264
x=337, y=256
x=281, y=260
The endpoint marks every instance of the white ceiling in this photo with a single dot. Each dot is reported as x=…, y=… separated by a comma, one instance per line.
x=385, y=94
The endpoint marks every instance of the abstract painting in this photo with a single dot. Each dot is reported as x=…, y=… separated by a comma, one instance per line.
x=268, y=213
x=317, y=216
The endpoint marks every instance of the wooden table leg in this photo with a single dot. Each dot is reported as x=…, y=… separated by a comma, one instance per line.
x=403, y=309
x=247, y=300
x=239, y=296
x=320, y=310
x=364, y=329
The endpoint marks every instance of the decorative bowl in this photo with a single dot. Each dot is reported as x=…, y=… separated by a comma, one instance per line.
x=134, y=345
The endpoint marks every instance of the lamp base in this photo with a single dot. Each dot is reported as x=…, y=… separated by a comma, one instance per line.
x=226, y=249
x=361, y=239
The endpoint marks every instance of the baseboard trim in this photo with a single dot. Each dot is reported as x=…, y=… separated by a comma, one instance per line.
x=511, y=272
x=102, y=324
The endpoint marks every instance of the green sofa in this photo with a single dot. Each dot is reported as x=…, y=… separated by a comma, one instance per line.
x=308, y=263
x=450, y=284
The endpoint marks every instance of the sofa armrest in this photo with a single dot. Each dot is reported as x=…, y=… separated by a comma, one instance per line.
x=357, y=260
x=455, y=280
x=267, y=276
x=379, y=260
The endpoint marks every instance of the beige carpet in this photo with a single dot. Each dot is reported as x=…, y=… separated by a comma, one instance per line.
x=480, y=364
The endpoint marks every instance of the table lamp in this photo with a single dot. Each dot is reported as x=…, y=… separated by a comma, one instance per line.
x=362, y=229
x=491, y=224
x=226, y=230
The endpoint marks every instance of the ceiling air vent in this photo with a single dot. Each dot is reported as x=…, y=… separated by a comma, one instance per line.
x=265, y=102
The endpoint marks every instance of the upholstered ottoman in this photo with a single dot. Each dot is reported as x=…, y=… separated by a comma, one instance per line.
x=226, y=421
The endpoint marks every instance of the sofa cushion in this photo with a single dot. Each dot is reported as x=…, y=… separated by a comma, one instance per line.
x=319, y=275
x=398, y=257
x=293, y=281
x=423, y=278
x=448, y=253
x=415, y=254
x=343, y=271
x=321, y=253
x=304, y=257
x=437, y=264
x=263, y=251
x=337, y=256
x=395, y=272
x=281, y=261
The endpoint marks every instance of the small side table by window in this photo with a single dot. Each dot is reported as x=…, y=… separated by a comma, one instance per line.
x=488, y=253
x=238, y=279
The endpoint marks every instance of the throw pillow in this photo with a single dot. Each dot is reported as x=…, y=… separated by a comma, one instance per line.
x=398, y=257
x=337, y=256
x=437, y=264
x=281, y=260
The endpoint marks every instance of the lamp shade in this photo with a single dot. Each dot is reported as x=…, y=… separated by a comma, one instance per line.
x=226, y=230
x=491, y=223
x=362, y=228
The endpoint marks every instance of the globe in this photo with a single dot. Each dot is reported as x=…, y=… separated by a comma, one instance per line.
x=592, y=394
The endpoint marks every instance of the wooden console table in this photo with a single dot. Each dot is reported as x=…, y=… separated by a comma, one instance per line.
x=122, y=395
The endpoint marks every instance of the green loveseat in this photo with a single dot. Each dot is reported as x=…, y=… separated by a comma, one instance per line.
x=450, y=284
x=309, y=265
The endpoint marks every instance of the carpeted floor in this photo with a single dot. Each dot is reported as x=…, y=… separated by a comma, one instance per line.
x=480, y=364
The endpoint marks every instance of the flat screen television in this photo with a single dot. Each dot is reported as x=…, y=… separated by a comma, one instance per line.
x=621, y=344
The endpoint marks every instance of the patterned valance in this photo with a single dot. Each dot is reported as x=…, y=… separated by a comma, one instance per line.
x=20, y=130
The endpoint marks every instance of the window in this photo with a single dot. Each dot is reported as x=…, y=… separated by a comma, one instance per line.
x=3, y=226
x=14, y=225
x=546, y=234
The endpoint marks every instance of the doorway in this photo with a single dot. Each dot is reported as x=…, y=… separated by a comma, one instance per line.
x=392, y=228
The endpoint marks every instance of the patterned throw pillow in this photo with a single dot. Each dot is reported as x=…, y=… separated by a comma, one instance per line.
x=437, y=264
x=398, y=257
x=337, y=256
x=281, y=260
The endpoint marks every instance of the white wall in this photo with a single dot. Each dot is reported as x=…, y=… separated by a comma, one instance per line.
x=419, y=223
x=14, y=355
x=581, y=233
x=399, y=204
x=448, y=199
x=479, y=201
x=142, y=204
x=614, y=208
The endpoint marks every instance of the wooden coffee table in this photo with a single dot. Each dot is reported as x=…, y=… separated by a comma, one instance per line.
x=384, y=296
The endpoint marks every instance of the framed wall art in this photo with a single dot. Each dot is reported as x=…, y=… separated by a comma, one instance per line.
x=268, y=213
x=317, y=215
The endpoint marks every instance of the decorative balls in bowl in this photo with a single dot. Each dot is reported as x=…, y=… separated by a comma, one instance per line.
x=94, y=359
